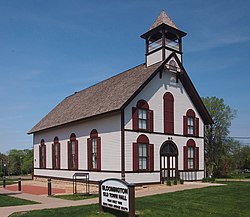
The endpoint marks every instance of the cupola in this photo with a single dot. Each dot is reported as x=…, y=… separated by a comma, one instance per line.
x=162, y=39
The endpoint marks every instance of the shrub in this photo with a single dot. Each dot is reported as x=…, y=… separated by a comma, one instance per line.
x=175, y=182
x=169, y=183
x=181, y=181
x=208, y=179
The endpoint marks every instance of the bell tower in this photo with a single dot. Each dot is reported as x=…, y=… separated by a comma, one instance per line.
x=162, y=39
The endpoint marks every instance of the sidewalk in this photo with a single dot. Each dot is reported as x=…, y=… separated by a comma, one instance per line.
x=51, y=202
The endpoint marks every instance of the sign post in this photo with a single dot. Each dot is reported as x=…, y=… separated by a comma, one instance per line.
x=117, y=194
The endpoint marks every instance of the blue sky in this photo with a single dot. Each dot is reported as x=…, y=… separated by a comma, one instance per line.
x=50, y=49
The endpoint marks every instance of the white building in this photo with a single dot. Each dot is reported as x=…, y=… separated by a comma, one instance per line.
x=145, y=125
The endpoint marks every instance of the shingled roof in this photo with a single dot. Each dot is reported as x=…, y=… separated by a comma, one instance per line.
x=106, y=96
x=163, y=18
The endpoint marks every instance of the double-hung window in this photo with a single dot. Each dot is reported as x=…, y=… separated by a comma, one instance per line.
x=73, y=153
x=142, y=119
x=143, y=157
x=190, y=157
x=42, y=153
x=94, y=151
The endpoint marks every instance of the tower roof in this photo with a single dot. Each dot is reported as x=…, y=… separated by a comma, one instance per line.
x=163, y=18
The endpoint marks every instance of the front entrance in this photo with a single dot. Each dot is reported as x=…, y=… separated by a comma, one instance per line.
x=169, y=161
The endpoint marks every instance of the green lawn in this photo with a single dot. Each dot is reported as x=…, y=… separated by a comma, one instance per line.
x=76, y=197
x=231, y=200
x=12, y=201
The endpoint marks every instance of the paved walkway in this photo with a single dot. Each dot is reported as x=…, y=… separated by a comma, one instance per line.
x=37, y=190
x=50, y=202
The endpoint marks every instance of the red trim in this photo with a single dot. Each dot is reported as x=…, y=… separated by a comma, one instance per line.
x=135, y=157
x=89, y=152
x=142, y=104
x=168, y=113
x=185, y=157
x=197, y=127
x=59, y=155
x=53, y=155
x=76, y=155
x=42, y=148
x=191, y=143
x=94, y=135
x=190, y=113
x=143, y=139
x=150, y=121
x=135, y=118
x=40, y=156
x=70, y=166
x=98, y=151
x=151, y=157
x=185, y=127
x=69, y=151
x=196, y=158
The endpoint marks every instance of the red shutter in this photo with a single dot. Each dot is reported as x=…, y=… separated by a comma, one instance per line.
x=197, y=158
x=59, y=155
x=89, y=153
x=44, y=156
x=40, y=156
x=135, y=118
x=69, y=155
x=151, y=157
x=76, y=155
x=197, y=127
x=150, y=120
x=135, y=157
x=185, y=127
x=98, y=153
x=53, y=156
x=185, y=157
x=168, y=115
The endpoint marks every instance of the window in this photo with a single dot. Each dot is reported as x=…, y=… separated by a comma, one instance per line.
x=94, y=151
x=73, y=153
x=142, y=117
x=191, y=156
x=190, y=124
x=42, y=154
x=168, y=113
x=56, y=154
x=143, y=154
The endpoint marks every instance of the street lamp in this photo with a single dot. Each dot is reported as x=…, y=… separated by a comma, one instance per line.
x=4, y=165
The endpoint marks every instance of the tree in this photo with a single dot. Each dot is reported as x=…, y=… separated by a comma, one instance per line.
x=20, y=161
x=217, y=146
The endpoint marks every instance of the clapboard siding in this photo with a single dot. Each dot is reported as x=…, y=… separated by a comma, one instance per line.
x=153, y=93
x=108, y=129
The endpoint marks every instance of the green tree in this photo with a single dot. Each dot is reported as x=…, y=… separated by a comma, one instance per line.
x=216, y=143
x=20, y=161
x=3, y=164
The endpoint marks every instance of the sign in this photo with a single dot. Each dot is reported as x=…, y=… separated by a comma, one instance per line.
x=117, y=194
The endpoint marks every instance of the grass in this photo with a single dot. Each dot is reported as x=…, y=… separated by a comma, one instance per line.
x=76, y=197
x=6, y=200
x=230, y=200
